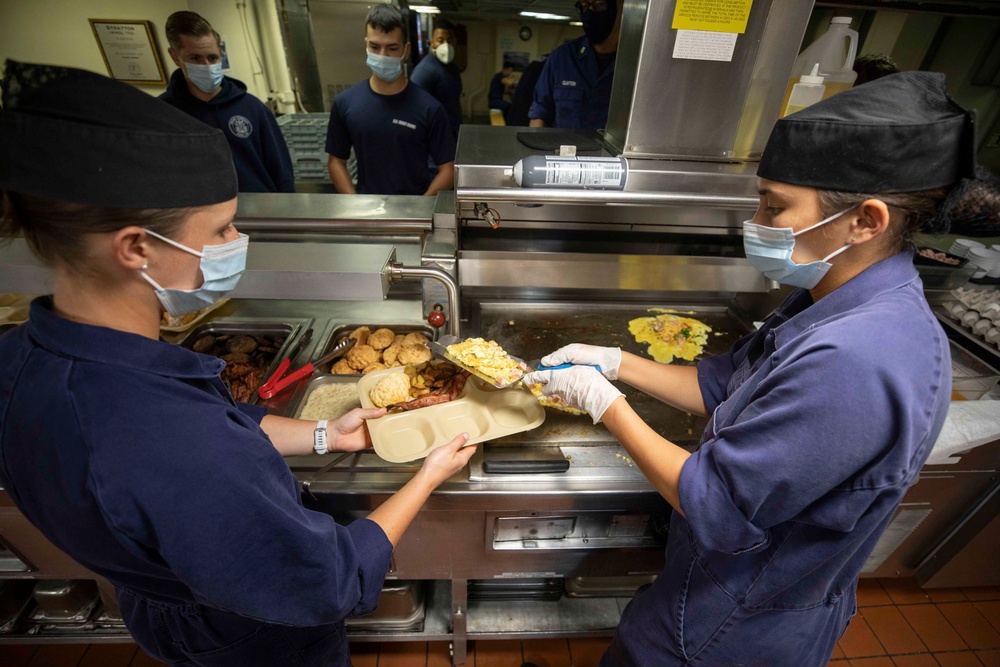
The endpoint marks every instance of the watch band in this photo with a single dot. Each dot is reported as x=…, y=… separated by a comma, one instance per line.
x=319, y=437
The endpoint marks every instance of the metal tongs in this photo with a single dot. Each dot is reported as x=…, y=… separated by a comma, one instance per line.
x=277, y=383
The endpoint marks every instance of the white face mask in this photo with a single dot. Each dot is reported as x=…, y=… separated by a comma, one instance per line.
x=445, y=52
x=206, y=78
x=769, y=250
x=221, y=267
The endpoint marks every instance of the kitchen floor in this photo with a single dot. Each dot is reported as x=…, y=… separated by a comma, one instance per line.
x=898, y=625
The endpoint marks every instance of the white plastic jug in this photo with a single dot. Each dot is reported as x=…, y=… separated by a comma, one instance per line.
x=834, y=51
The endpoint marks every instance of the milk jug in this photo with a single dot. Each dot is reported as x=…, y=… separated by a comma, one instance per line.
x=834, y=51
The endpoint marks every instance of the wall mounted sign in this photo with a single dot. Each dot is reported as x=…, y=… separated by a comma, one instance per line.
x=129, y=51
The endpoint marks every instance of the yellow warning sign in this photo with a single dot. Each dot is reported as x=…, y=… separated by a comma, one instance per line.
x=712, y=15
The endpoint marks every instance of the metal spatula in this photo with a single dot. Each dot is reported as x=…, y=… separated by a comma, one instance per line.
x=440, y=348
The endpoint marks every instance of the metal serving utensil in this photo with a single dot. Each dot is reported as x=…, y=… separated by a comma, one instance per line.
x=440, y=348
x=277, y=382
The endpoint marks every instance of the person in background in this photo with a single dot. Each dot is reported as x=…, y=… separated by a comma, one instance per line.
x=524, y=92
x=574, y=88
x=129, y=453
x=498, y=88
x=820, y=420
x=395, y=128
x=438, y=74
x=198, y=87
x=873, y=66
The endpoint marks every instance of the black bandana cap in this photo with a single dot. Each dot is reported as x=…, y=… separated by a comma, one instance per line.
x=898, y=133
x=74, y=135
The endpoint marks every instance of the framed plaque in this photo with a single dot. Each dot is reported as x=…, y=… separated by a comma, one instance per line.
x=129, y=51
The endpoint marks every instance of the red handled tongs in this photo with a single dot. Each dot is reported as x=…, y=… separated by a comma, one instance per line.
x=277, y=383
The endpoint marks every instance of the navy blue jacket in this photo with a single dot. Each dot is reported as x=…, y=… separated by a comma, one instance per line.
x=444, y=83
x=260, y=154
x=821, y=421
x=571, y=92
x=131, y=456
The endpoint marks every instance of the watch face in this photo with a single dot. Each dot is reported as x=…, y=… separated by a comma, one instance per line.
x=525, y=33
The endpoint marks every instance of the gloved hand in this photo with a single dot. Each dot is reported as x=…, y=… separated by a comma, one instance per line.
x=581, y=387
x=608, y=358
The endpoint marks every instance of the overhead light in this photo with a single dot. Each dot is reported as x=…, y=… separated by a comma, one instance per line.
x=576, y=23
x=544, y=15
x=425, y=9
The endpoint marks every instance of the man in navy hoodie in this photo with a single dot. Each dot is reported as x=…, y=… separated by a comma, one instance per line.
x=199, y=88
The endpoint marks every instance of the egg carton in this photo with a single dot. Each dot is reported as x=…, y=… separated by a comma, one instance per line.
x=977, y=310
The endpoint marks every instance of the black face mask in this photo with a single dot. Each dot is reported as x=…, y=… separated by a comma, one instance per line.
x=598, y=25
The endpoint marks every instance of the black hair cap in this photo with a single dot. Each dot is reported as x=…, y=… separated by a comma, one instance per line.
x=74, y=135
x=898, y=133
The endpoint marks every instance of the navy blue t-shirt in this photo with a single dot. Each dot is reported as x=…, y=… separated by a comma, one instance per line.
x=393, y=137
x=444, y=82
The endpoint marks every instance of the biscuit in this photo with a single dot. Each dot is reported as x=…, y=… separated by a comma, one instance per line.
x=382, y=338
x=342, y=368
x=377, y=366
x=413, y=354
x=361, y=335
x=416, y=338
x=393, y=388
x=361, y=356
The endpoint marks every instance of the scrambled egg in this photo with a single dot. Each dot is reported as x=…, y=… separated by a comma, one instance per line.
x=554, y=402
x=670, y=336
x=487, y=357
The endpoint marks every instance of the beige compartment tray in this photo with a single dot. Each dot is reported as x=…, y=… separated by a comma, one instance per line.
x=482, y=411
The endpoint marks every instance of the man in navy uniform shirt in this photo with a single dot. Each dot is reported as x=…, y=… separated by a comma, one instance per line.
x=574, y=89
x=199, y=88
x=395, y=128
x=438, y=74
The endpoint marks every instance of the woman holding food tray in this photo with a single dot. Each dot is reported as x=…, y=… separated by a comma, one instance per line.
x=822, y=418
x=129, y=453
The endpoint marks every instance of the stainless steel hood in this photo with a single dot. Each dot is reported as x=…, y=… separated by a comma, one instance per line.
x=664, y=106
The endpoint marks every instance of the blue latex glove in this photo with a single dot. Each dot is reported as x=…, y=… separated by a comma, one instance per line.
x=581, y=387
x=608, y=359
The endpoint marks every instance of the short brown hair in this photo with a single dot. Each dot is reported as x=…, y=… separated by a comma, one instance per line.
x=188, y=24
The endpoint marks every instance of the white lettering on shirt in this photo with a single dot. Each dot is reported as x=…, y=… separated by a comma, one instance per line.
x=396, y=121
x=569, y=83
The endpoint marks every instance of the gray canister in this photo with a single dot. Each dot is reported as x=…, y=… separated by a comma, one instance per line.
x=581, y=172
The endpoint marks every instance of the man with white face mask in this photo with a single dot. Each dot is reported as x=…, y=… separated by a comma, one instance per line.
x=396, y=129
x=199, y=88
x=438, y=74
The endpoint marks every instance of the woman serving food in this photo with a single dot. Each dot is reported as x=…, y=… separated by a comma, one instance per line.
x=129, y=453
x=821, y=419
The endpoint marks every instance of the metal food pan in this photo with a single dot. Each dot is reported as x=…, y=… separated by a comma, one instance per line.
x=344, y=330
x=400, y=608
x=301, y=397
x=606, y=587
x=288, y=330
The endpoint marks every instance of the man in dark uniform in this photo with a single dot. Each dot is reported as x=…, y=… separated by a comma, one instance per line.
x=396, y=129
x=199, y=88
x=438, y=74
x=574, y=89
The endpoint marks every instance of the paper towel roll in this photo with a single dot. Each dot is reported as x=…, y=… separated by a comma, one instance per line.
x=969, y=424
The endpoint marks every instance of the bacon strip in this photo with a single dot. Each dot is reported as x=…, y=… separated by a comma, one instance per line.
x=449, y=392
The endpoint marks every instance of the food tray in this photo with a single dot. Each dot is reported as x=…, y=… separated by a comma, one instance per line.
x=14, y=308
x=345, y=329
x=202, y=314
x=249, y=328
x=64, y=599
x=482, y=411
x=607, y=587
x=15, y=602
x=301, y=398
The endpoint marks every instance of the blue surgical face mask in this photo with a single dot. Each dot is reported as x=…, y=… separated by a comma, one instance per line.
x=206, y=78
x=386, y=68
x=769, y=250
x=221, y=266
